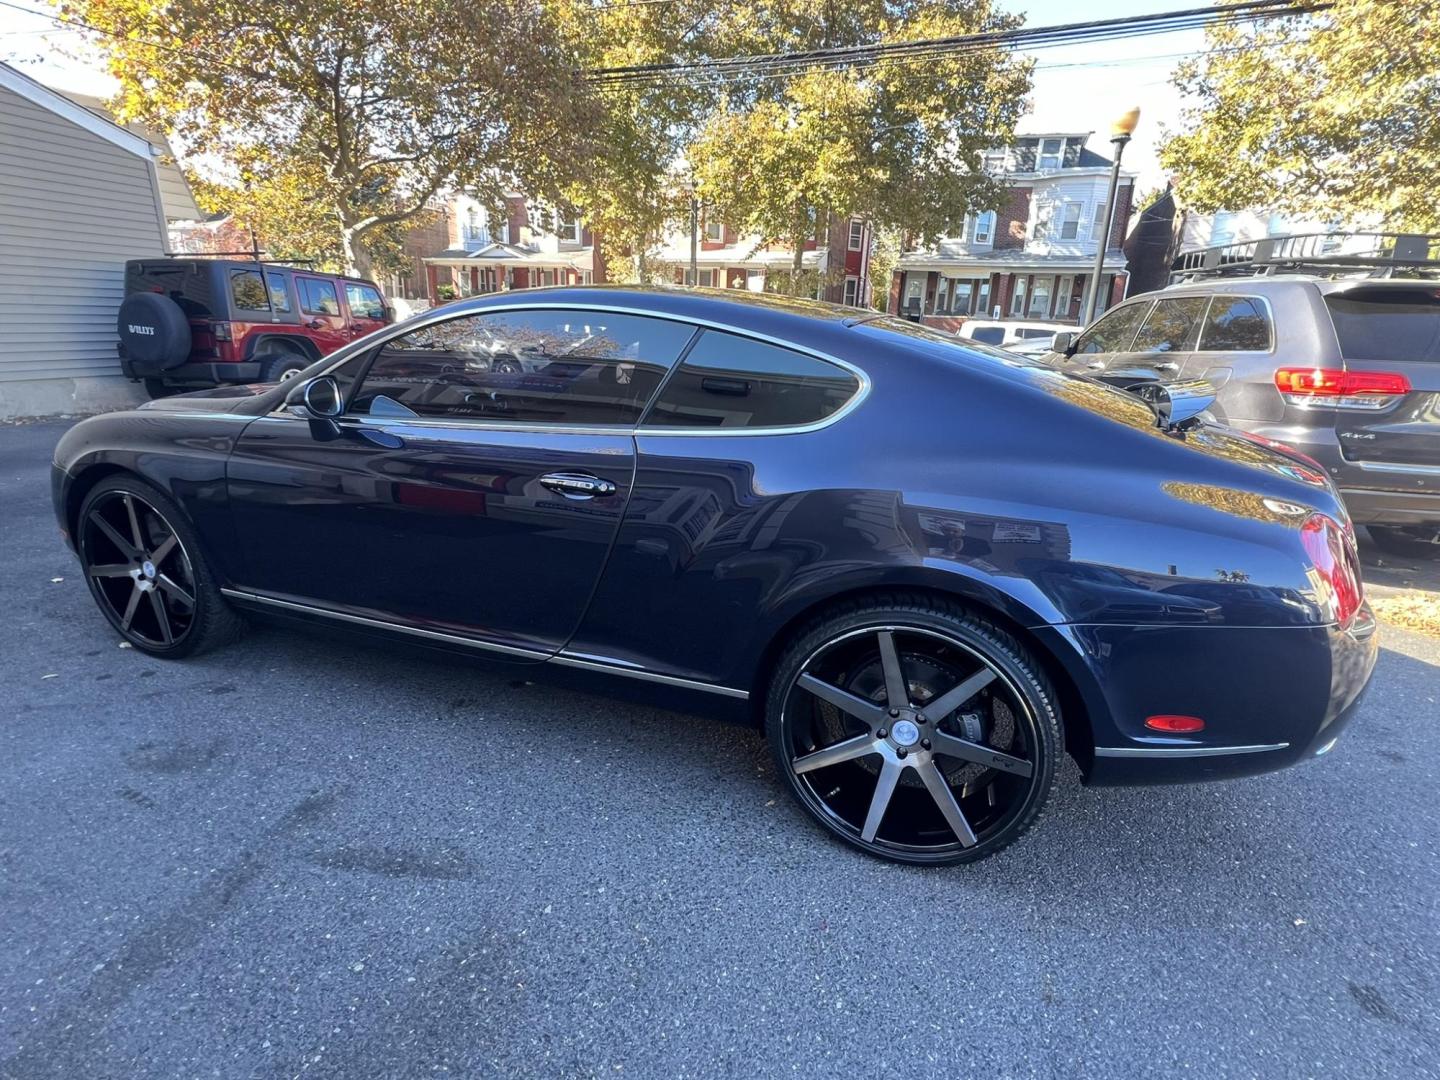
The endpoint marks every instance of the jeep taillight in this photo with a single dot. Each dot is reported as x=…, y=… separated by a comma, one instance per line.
x=222, y=331
x=1336, y=562
x=1337, y=389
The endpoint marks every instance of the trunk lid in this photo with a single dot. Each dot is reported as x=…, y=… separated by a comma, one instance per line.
x=1391, y=328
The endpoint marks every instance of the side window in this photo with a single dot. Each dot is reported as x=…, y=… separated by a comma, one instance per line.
x=728, y=381
x=525, y=367
x=247, y=290
x=1236, y=324
x=1114, y=332
x=365, y=302
x=318, y=297
x=279, y=293
x=1172, y=325
x=989, y=335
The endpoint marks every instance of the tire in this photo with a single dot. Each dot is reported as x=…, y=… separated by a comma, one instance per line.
x=159, y=388
x=995, y=749
x=1396, y=541
x=280, y=363
x=143, y=588
x=154, y=332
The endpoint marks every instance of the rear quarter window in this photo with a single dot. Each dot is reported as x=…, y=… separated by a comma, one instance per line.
x=728, y=381
x=1237, y=324
x=1388, y=325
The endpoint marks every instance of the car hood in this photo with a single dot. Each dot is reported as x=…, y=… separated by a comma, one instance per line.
x=218, y=399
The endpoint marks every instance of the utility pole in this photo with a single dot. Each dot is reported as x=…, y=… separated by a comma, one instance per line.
x=694, y=278
x=1119, y=136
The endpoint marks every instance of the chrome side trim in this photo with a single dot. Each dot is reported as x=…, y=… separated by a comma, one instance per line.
x=1184, y=751
x=444, y=314
x=563, y=659
x=382, y=624
x=1388, y=467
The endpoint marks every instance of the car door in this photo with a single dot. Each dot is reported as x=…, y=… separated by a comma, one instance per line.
x=320, y=313
x=1164, y=347
x=454, y=497
x=1106, y=343
x=366, y=307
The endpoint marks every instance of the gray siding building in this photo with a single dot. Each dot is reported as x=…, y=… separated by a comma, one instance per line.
x=78, y=196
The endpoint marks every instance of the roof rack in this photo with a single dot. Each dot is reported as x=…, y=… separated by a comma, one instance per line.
x=1327, y=254
x=253, y=256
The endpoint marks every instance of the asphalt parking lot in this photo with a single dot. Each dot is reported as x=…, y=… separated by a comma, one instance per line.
x=309, y=857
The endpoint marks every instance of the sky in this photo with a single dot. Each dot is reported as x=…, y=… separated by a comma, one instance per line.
x=1076, y=88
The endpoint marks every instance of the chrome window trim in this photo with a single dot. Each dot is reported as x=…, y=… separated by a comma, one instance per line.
x=1269, y=325
x=1392, y=467
x=349, y=352
x=1184, y=751
x=563, y=657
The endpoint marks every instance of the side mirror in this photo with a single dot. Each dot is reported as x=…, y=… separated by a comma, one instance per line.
x=1064, y=343
x=320, y=402
x=1180, y=405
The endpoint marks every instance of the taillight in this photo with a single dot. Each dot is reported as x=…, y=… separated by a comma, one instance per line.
x=1332, y=552
x=1337, y=389
x=222, y=331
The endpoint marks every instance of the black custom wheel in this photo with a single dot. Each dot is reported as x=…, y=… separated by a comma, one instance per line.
x=915, y=731
x=281, y=364
x=144, y=568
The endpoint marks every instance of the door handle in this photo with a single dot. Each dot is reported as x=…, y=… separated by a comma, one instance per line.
x=578, y=485
x=314, y=324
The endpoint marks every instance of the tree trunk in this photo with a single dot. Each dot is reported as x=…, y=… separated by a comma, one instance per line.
x=357, y=258
x=797, y=263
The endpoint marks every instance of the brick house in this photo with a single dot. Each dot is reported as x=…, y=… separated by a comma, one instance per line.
x=526, y=247
x=1032, y=256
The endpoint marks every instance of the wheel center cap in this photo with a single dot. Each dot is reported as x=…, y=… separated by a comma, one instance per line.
x=148, y=568
x=905, y=733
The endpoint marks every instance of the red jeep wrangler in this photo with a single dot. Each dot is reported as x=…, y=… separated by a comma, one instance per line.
x=187, y=323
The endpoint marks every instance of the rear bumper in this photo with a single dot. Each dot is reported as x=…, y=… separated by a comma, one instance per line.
x=207, y=374
x=1270, y=697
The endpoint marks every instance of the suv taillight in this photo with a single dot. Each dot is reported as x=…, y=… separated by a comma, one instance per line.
x=1337, y=389
x=1331, y=548
x=222, y=331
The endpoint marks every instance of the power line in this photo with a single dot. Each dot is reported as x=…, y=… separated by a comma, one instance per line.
x=938, y=48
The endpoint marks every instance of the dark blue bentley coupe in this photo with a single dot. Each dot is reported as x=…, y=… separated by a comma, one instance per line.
x=926, y=570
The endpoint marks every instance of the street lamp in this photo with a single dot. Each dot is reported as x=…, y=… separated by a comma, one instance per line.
x=1119, y=136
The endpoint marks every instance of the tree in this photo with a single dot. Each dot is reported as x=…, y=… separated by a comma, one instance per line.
x=1335, y=114
x=353, y=113
x=898, y=142
x=629, y=193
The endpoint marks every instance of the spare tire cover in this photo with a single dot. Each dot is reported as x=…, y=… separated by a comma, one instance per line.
x=154, y=331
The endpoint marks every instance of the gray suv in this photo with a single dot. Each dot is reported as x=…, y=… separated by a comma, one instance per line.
x=1344, y=370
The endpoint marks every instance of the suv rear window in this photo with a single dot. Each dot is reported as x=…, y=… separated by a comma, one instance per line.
x=989, y=335
x=247, y=289
x=1388, y=325
x=187, y=283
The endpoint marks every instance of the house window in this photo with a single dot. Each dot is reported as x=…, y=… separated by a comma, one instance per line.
x=1017, y=302
x=982, y=298
x=1040, y=297
x=942, y=296
x=961, y=297
x=1042, y=221
x=1098, y=230
x=852, y=291
x=567, y=228
x=1222, y=231
x=985, y=227
x=857, y=233
x=993, y=161
x=914, y=292
x=714, y=230
x=1070, y=221
x=1052, y=153
x=706, y=278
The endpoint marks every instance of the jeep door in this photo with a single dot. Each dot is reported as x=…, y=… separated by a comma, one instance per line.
x=320, y=313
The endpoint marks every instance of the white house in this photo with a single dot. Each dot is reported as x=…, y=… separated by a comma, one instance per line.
x=78, y=196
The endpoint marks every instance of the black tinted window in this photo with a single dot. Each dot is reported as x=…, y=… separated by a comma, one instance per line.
x=1389, y=325
x=318, y=297
x=247, y=289
x=728, y=381
x=1114, y=332
x=989, y=335
x=279, y=294
x=1236, y=324
x=532, y=367
x=1172, y=325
